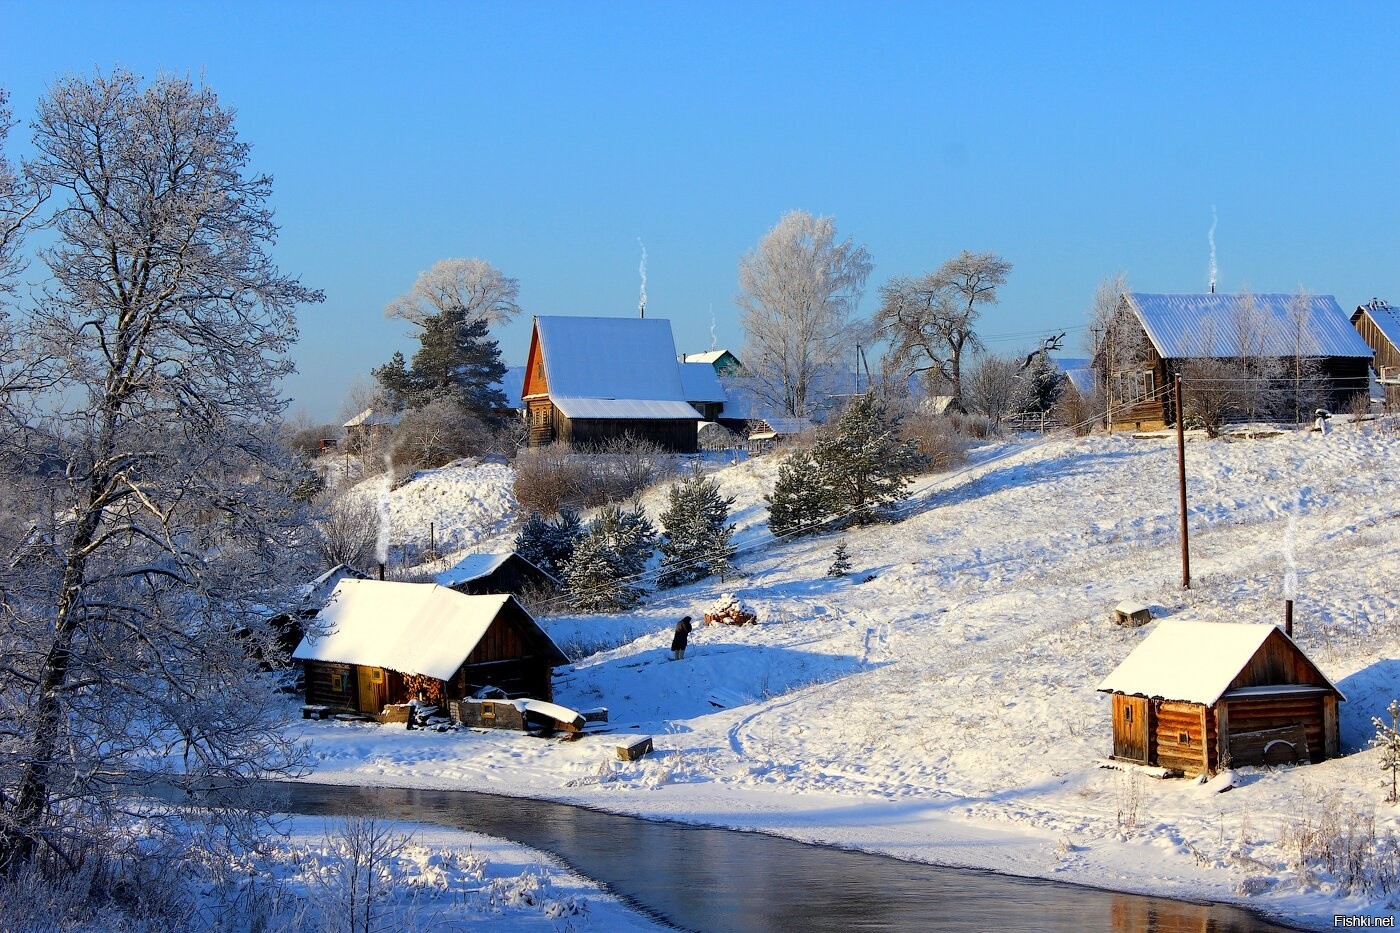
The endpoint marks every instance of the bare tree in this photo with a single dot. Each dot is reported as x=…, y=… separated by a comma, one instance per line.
x=349, y=532
x=463, y=290
x=994, y=387
x=171, y=326
x=930, y=321
x=797, y=290
x=438, y=433
x=19, y=199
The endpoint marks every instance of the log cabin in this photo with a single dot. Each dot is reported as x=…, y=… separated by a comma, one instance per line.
x=1379, y=325
x=1176, y=329
x=379, y=643
x=1196, y=697
x=590, y=380
x=481, y=574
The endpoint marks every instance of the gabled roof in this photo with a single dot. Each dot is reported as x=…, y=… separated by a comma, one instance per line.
x=709, y=357
x=1386, y=319
x=321, y=587
x=1207, y=326
x=475, y=566
x=371, y=416
x=772, y=427
x=1192, y=661
x=412, y=628
x=700, y=383
x=612, y=367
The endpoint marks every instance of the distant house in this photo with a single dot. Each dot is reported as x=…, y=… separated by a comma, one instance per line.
x=1379, y=325
x=1199, y=696
x=589, y=380
x=478, y=574
x=766, y=433
x=1181, y=328
x=723, y=362
x=368, y=428
x=385, y=642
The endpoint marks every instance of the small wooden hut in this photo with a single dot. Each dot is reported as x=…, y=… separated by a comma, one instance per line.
x=479, y=574
x=1379, y=325
x=1199, y=696
x=379, y=643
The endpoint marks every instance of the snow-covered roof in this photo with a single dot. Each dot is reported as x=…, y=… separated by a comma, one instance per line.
x=472, y=567
x=1083, y=380
x=708, y=357
x=610, y=358
x=629, y=408
x=322, y=585
x=700, y=382
x=1194, y=662
x=1200, y=326
x=783, y=426
x=1386, y=318
x=370, y=417
x=413, y=628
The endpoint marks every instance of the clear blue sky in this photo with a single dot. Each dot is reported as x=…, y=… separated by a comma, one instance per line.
x=1075, y=140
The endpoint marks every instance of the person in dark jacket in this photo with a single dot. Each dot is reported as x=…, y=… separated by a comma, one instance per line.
x=678, y=641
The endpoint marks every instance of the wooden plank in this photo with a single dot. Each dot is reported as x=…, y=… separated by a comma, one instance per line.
x=1222, y=735
x=1331, y=743
x=635, y=748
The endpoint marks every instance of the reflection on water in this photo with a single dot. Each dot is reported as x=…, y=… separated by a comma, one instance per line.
x=701, y=878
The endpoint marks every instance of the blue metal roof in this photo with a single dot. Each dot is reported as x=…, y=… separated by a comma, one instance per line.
x=1223, y=326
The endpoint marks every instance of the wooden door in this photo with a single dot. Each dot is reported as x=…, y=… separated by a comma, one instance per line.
x=373, y=691
x=1130, y=728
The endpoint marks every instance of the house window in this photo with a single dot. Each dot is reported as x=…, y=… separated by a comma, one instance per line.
x=488, y=711
x=1127, y=714
x=1184, y=738
x=1134, y=386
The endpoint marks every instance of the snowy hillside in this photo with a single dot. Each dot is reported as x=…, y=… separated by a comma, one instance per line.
x=939, y=702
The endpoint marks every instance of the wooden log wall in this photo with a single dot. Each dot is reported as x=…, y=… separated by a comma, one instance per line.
x=330, y=684
x=675, y=435
x=1257, y=715
x=1180, y=735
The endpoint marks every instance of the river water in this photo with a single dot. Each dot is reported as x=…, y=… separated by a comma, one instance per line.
x=703, y=878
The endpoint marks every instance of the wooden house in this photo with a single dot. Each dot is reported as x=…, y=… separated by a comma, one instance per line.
x=1200, y=696
x=723, y=362
x=766, y=433
x=369, y=428
x=379, y=643
x=1175, y=329
x=589, y=380
x=481, y=574
x=1379, y=325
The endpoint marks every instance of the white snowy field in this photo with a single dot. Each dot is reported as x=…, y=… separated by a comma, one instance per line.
x=939, y=702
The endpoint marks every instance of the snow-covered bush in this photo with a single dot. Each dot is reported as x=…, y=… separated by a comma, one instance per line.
x=1387, y=739
x=549, y=479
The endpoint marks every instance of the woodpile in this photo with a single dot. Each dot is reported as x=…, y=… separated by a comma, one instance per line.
x=727, y=610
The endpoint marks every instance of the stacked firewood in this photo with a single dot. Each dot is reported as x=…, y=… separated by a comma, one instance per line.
x=729, y=610
x=420, y=686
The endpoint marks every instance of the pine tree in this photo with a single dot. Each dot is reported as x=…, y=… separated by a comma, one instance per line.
x=549, y=545
x=602, y=572
x=800, y=502
x=696, y=541
x=864, y=464
x=1043, y=384
x=1388, y=741
x=840, y=562
x=455, y=360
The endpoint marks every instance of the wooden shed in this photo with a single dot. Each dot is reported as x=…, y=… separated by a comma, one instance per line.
x=1379, y=325
x=1200, y=696
x=378, y=643
x=590, y=380
x=480, y=574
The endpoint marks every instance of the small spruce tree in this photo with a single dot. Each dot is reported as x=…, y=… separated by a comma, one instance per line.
x=1388, y=741
x=1042, y=385
x=696, y=535
x=549, y=545
x=864, y=462
x=840, y=562
x=602, y=572
x=800, y=502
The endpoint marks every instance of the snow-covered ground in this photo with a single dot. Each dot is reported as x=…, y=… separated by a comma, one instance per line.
x=939, y=702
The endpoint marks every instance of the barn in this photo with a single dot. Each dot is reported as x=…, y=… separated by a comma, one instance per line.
x=590, y=380
x=479, y=574
x=1175, y=329
x=1200, y=696
x=378, y=643
x=1379, y=325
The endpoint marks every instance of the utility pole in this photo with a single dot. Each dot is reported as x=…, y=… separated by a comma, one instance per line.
x=1181, y=484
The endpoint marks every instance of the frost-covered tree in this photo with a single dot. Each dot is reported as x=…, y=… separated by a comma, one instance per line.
x=1387, y=739
x=549, y=544
x=696, y=540
x=166, y=327
x=1041, y=384
x=797, y=289
x=865, y=463
x=800, y=502
x=464, y=290
x=347, y=531
x=992, y=387
x=930, y=321
x=19, y=199
x=603, y=573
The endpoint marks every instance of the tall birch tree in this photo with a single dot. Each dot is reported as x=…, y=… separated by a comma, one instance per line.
x=134, y=636
x=797, y=290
